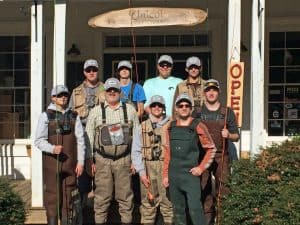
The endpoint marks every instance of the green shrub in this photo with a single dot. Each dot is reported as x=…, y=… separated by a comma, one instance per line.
x=266, y=190
x=12, y=210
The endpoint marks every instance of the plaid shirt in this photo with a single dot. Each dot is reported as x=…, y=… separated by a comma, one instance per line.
x=113, y=116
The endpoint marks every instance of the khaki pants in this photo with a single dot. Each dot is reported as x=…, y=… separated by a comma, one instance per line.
x=149, y=210
x=113, y=177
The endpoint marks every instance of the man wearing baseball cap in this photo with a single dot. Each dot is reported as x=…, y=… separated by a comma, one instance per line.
x=194, y=83
x=111, y=126
x=189, y=150
x=221, y=123
x=60, y=137
x=148, y=161
x=132, y=92
x=164, y=84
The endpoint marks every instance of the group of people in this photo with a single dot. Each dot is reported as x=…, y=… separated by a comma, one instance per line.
x=98, y=136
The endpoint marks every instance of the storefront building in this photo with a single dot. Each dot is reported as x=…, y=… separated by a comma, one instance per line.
x=43, y=43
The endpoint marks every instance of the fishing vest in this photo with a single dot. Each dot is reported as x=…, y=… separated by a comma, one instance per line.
x=61, y=131
x=151, y=135
x=113, y=141
x=185, y=146
x=80, y=99
x=215, y=124
x=195, y=93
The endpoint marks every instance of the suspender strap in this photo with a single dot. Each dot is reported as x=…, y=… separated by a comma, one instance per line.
x=103, y=113
x=125, y=112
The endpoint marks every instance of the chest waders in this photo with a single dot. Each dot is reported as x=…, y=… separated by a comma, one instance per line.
x=185, y=191
x=59, y=169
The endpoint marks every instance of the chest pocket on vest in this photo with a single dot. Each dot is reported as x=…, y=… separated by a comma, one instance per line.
x=114, y=134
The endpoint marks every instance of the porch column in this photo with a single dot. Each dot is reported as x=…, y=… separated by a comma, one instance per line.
x=59, y=42
x=257, y=133
x=36, y=98
x=234, y=40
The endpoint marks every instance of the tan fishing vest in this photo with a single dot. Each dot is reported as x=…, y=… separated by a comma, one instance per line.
x=196, y=93
x=79, y=99
x=152, y=149
x=113, y=141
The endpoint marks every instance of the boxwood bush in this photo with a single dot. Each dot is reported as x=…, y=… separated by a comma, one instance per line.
x=12, y=211
x=266, y=189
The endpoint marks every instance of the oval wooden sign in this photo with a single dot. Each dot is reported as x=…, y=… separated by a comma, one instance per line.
x=149, y=17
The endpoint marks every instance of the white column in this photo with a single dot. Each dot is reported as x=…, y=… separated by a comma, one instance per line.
x=234, y=31
x=234, y=39
x=37, y=91
x=257, y=133
x=59, y=42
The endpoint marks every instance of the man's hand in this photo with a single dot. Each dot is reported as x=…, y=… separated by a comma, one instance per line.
x=166, y=182
x=57, y=149
x=78, y=170
x=145, y=180
x=132, y=169
x=196, y=171
x=225, y=133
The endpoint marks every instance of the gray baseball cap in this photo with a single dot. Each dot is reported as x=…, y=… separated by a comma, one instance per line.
x=165, y=58
x=193, y=61
x=157, y=99
x=58, y=89
x=112, y=83
x=211, y=83
x=183, y=97
x=125, y=63
x=89, y=63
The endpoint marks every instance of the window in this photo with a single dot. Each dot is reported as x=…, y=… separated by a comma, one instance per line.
x=284, y=84
x=14, y=87
x=189, y=40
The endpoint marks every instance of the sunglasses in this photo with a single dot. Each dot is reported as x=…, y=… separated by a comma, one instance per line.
x=64, y=94
x=180, y=106
x=113, y=90
x=156, y=104
x=165, y=64
x=91, y=69
x=194, y=67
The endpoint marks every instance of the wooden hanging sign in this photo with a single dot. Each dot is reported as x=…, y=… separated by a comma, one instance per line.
x=149, y=17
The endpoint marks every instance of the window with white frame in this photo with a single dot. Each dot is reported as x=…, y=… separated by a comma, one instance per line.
x=284, y=84
x=14, y=87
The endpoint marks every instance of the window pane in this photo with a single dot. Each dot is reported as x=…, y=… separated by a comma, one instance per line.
x=22, y=61
x=6, y=79
x=276, y=93
x=112, y=41
x=276, y=57
x=142, y=41
x=6, y=44
x=292, y=57
x=276, y=111
x=277, y=40
x=6, y=61
x=126, y=41
x=157, y=40
x=22, y=44
x=172, y=40
x=6, y=100
x=293, y=74
x=292, y=93
x=22, y=79
x=275, y=128
x=276, y=75
x=293, y=39
x=8, y=125
x=292, y=111
x=292, y=127
x=187, y=40
x=22, y=97
x=201, y=40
